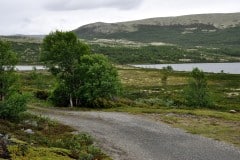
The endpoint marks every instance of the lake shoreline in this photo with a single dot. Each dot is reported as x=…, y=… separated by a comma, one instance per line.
x=229, y=68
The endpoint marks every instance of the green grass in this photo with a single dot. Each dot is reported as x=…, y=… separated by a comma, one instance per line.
x=145, y=84
x=39, y=153
x=165, y=110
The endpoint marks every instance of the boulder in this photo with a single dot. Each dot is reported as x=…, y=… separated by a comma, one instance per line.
x=29, y=131
x=232, y=111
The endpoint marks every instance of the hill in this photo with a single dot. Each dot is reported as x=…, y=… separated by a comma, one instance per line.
x=190, y=30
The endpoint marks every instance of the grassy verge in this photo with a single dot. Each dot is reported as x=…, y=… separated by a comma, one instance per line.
x=47, y=140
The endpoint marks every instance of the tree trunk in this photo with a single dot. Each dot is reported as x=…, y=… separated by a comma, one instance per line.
x=71, y=101
x=77, y=102
x=1, y=94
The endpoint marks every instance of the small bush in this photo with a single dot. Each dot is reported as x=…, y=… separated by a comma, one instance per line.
x=95, y=151
x=13, y=106
x=197, y=93
x=77, y=144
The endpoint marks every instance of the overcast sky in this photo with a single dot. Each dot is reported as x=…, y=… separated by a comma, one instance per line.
x=44, y=16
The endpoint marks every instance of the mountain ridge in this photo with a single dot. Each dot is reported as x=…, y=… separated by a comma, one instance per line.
x=218, y=20
x=220, y=29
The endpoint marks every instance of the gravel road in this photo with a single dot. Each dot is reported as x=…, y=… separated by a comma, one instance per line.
x=131, y=137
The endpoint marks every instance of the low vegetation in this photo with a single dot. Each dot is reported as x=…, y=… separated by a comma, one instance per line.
x=33, y=137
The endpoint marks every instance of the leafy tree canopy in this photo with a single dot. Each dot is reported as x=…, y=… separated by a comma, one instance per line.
x=82, y=77
x=62, y=50
x=99, y=78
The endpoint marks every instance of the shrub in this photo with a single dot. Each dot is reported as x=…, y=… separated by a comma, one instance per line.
x=13, y=106
x=77, y=144
x=197, y=94
x=95, y=151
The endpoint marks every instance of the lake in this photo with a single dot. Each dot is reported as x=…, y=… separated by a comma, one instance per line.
x=29, y=67
x=231, y=68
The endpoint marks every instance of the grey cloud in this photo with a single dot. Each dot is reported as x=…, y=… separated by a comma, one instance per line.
x=26, y=20
x=39, y=16
x=92, y=4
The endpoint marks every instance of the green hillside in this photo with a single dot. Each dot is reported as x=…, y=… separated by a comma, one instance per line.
x=191, y=38
x=212, y=30
x=193, y=35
